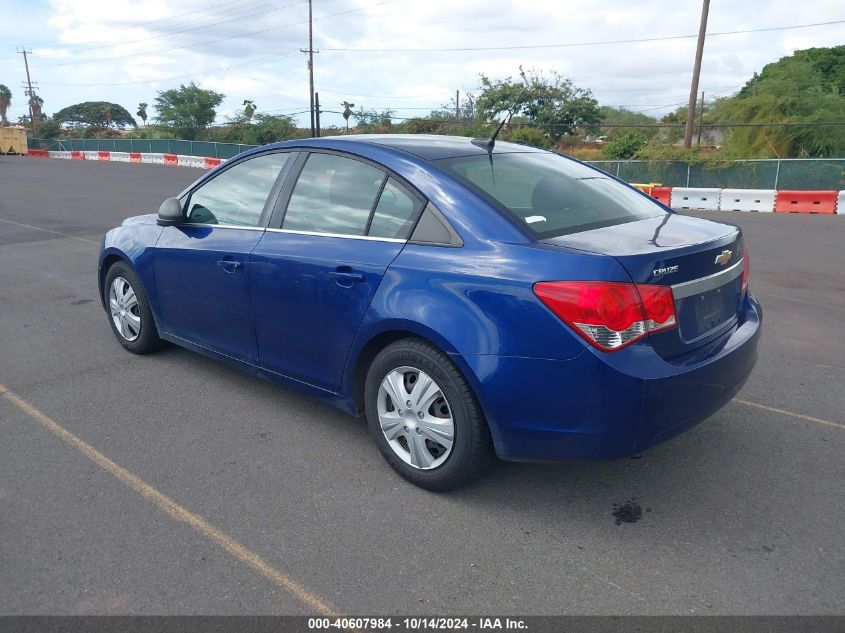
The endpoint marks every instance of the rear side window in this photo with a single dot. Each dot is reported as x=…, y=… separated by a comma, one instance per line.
x=333, y=194
x=549, y=194
x=237, y=195
x=394, y=215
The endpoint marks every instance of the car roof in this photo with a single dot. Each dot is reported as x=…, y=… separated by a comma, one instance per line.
x=425, y=146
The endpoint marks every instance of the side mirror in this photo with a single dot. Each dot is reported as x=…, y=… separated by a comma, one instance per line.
x=170, y=212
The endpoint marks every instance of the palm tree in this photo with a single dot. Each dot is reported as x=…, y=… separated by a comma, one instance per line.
x=249, y=108
x=35, y=102
x=347, y=112
x=142, y=112
x=5, y=102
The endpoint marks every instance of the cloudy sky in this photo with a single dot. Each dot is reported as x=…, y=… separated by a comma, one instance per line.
x=127, y=50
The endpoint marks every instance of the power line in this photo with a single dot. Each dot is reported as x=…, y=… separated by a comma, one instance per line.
x=192, y=75
x=192, y=28
x=215, y=41
x=575, y=44
x=647, y=125
x=45, y=43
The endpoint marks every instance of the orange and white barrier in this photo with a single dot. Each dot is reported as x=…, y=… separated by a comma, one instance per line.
x=790, y=201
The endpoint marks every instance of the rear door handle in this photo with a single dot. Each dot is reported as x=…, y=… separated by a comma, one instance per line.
x=229, y=265
x=345, y=276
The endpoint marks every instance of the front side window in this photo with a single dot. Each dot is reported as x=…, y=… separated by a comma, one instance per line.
x=333, y=194
x=237, y=196
x=551, y=195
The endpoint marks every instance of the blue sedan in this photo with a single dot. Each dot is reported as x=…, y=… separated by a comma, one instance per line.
x=469, y=300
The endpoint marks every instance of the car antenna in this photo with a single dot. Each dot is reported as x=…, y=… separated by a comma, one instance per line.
x=489, y=143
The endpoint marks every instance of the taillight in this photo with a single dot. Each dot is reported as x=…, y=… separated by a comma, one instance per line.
x=746, y=267
x=609, y=315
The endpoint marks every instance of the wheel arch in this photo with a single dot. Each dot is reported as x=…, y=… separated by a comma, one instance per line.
x=369, y=346
x=142, y=268
x=108, y=259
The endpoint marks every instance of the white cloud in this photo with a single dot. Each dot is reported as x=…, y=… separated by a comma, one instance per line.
x=130, y=44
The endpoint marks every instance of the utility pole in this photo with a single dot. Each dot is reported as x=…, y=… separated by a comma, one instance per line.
x=701, y=118
x=317, y=111
x=29, y=92
x=310, y=50
x=696, y=72
x=457, y=104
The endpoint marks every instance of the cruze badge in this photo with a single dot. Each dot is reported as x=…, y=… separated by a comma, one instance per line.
x=723, y=258
x=664, y=271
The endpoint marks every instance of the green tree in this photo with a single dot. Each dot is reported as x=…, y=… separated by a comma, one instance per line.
x=553, y=104
x=530, y=136
x=373, y=121
x=347, y=112
x=98, y=114
x=249, y=108
x=807, y=87
x=49, y=128
x=187, y=109
x=142, y=112
x=619, y=121
x=625, y=146
x=5, y=102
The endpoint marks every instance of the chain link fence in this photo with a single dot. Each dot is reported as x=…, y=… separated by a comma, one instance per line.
x=147, y=146
x=784, y=173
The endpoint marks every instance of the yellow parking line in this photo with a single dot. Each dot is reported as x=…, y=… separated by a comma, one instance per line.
x=800, y=416
x=176, y=511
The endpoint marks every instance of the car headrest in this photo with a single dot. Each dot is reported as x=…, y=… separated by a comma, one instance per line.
x=550, y=192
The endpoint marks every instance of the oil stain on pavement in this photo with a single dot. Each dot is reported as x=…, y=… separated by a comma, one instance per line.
x=629, y=512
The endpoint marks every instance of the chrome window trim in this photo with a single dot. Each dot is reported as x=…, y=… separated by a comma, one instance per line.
x=710, y=282
x=369, y=238
x=223, y=226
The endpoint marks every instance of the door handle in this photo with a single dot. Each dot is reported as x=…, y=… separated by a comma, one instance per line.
x=345, y=276
x=229, y=265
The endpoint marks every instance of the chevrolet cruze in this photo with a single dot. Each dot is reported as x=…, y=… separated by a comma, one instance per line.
x=470, y=300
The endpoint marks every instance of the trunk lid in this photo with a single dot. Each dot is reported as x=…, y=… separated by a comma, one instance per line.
x=701, y=260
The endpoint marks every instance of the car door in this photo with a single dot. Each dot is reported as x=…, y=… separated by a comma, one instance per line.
x=342, y=221
x=201, y=265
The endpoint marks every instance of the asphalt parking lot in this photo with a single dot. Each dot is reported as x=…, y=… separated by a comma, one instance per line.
x=279, y=504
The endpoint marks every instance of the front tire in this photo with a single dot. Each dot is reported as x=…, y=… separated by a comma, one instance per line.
x=129, y=311
x=424, y=418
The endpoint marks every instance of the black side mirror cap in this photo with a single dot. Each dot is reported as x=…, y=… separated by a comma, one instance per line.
x=170, y=212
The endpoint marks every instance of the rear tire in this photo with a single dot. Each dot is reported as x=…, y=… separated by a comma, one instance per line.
x=129, y=311
x=418, y=440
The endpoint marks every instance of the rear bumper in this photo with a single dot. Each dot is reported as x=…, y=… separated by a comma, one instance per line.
x=600, y=406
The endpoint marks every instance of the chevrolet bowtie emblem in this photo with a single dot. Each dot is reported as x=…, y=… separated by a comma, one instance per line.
x=723, y=258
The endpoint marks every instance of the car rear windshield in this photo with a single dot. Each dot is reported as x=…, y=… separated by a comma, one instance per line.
x=550, y=194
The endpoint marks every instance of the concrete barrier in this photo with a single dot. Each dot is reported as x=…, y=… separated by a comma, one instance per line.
x=695, y=198
x=91, y=155
x=59, y=154
x=761, y=200
x=120, y=157
x=840, y=203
